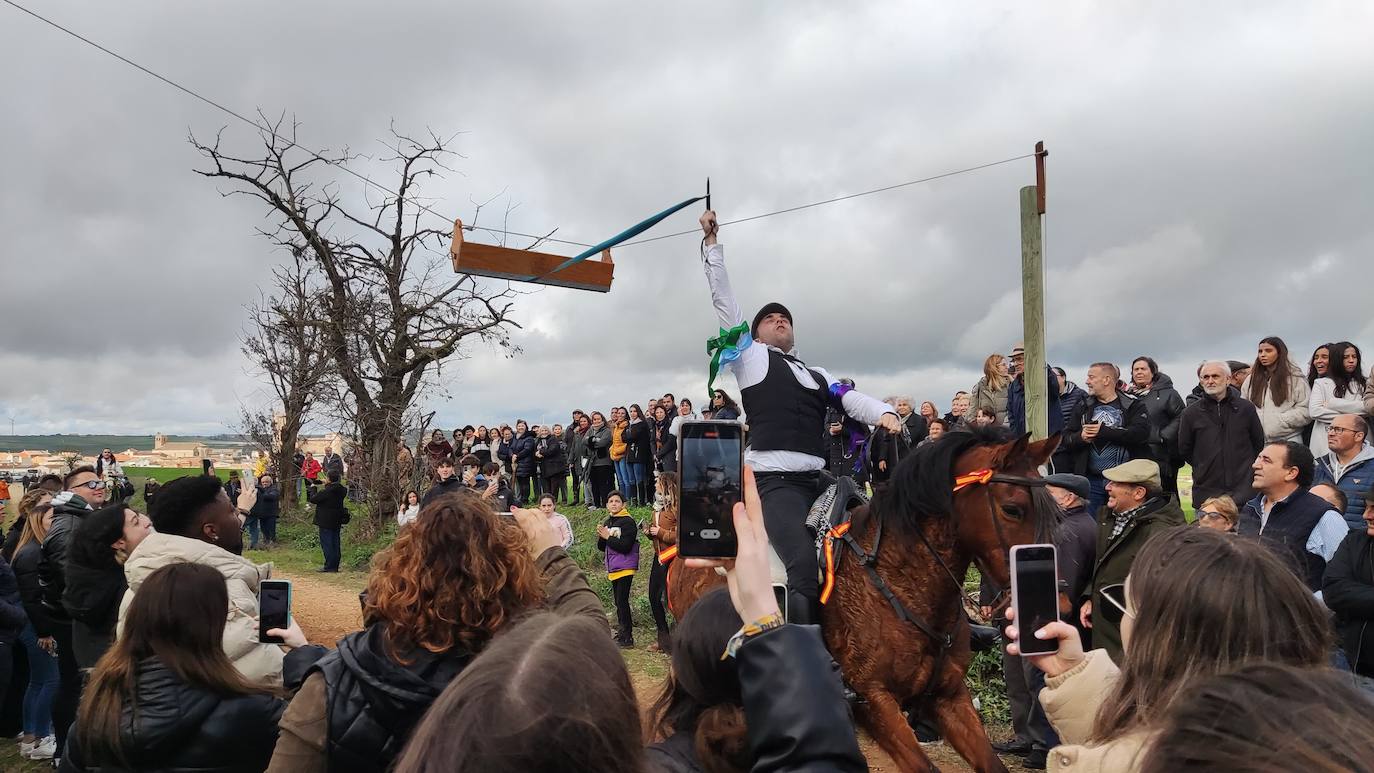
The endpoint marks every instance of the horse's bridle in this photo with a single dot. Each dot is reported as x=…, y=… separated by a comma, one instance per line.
x=984, y=477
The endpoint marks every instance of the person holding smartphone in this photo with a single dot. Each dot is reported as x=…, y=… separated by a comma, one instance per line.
x=786, y=402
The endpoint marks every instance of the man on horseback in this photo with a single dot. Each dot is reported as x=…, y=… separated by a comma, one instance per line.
x=785, y=402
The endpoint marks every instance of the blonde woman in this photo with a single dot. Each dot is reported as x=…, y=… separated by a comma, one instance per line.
x=991, y=390
x=1218, y=513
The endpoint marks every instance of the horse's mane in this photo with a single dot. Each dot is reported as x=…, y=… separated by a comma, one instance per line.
x=922, y=485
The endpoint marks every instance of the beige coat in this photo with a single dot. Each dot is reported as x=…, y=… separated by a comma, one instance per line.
x=1071, y=701
x=259, y=663
x=1284, y=422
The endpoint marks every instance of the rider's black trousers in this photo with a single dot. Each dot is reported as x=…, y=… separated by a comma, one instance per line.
x=787, y=497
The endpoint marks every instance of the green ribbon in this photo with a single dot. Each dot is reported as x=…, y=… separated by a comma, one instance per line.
x=724, y=348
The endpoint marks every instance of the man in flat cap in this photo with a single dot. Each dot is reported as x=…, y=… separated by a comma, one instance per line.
x=785, y=402
x=1137, y=508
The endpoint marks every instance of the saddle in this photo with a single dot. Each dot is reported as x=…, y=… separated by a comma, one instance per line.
x=828, y=520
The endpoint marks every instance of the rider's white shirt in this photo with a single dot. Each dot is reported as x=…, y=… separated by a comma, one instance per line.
x=752, y=366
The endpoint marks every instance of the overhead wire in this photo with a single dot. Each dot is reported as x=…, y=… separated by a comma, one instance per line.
x=421, y=205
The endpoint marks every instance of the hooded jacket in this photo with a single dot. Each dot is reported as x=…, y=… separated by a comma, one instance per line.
x=1220, y=439
x=259, y=663
x=1283, y=422
x=358, y=706
x=173, y=726
x=67, y=509
x=1164, y=406
x=640, y=443
x=984, y=396
x=1348, y=590
x=1354, y=481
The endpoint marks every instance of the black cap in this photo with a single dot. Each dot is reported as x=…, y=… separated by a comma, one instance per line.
x=1075, y=483
x=769, y=308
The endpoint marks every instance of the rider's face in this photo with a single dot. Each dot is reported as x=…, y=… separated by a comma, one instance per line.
x=776, y=330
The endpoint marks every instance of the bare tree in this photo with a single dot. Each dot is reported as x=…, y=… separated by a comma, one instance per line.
x=392, y=312
x=287, y=347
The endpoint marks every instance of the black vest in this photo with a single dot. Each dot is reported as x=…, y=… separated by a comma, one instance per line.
x=1290, y=525
x=783, y=414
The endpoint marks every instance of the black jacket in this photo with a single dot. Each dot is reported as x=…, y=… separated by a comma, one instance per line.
x=842, y=458
x=794, y=724
x=522, y=449
x=1016, y=404
x=441, y=487
x=1221, y=439
x=665, y=447
x=269, y=502
x=639, y=443
x=178, y=727
x=12, y=539
x=52, y=568
x=25, y=567
x=1348, y=590
x=374, y=702
x=1164, y=407
x=330, y=512
x=553, y=457
x=1133, y=435
x=92, y=599
x=12, y=615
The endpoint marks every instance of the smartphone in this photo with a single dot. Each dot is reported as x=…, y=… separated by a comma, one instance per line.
x=780, y=593
x=1034, y=595
x=710, y=462
x=274, y=608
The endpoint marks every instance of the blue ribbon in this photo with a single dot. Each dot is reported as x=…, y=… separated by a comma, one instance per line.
x=625, y=235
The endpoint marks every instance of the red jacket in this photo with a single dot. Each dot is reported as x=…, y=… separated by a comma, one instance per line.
x=310, y=468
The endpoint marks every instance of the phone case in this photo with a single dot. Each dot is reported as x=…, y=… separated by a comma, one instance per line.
x=1043, y=647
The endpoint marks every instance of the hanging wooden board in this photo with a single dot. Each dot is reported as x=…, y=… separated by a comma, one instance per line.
x=527, y=266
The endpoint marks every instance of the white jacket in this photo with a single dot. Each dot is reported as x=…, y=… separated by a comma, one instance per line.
x=1283, y=422
x=1324, y=406
x=259, y=663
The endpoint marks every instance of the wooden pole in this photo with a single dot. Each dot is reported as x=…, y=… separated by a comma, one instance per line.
x=1033, y=313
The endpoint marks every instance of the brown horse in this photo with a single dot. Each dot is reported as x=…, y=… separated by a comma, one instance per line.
x=685, y=584
x=930, y=532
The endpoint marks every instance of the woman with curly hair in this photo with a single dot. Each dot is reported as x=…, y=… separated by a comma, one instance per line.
x=453, y=579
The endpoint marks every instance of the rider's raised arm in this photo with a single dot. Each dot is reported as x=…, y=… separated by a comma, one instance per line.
x=752, y=364
x=856, y=404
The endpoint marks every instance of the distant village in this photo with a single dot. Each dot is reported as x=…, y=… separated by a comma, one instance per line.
x=164, y=453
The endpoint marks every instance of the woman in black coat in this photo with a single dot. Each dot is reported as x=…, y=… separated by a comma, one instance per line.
x=526, y=465
x=95, y=577
x=639, y=455
x=552, y=457
x=166, y=697
x=665, y=442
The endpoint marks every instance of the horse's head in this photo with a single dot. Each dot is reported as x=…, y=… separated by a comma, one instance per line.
x=987, y=485
x=1009, y=508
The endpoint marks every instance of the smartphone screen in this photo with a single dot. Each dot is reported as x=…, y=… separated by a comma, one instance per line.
x=274, y=608
x=1034, y=595
x=711, y=469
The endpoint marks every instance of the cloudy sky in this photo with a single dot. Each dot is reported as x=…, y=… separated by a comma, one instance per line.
x=1211, y=182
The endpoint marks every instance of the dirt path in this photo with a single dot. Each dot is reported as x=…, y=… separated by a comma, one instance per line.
x=327, y=608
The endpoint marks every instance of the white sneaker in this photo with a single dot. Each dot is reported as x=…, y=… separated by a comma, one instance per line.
x=27, y=747
x=45, y=749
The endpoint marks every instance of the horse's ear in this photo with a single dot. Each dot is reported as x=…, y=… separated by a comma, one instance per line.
x=1041, y=451
x=1009, y=450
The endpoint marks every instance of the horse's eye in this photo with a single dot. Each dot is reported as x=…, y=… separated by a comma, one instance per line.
x=1013, y=511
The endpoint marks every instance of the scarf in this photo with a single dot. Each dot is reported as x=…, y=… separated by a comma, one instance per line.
x=1122, y=520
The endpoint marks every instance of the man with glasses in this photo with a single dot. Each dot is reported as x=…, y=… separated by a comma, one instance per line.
x=83, y=493
x=1298, y=525
x=1220, y=435
x=1137, y=509
x=1348, y=464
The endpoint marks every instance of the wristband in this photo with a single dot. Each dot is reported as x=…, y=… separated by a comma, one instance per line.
x=762, y=625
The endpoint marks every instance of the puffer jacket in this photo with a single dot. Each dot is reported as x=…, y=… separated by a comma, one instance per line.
x=259, y=663
x=522, y=450
x=1283, y=422
x=640, y=443
x=172, y=726
x=67, y=509
x=358, y=706
x=1354, y=481
x=1164, y=406
x=553, y=456
x=619, y=445
x=1348, y=591
x=26, y=560
x=12, y=615
x=599, y=446
x=1071, y=701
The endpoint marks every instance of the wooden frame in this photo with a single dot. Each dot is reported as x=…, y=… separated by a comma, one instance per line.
x=528, y=266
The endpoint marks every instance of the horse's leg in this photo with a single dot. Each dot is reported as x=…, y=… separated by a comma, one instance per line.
x=963, y=730
x=883, y=717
